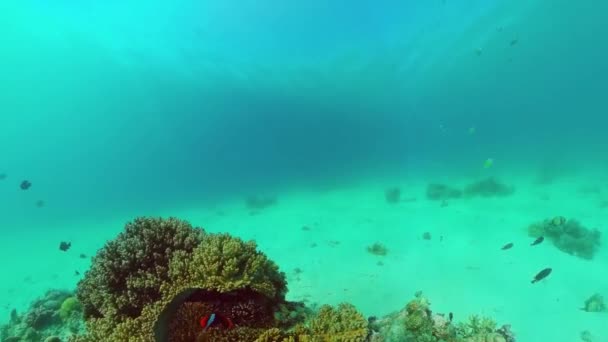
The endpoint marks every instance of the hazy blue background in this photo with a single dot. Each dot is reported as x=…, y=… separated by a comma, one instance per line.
x=114, y=107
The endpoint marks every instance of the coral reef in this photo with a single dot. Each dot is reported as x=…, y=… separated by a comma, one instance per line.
x=186, y=285
x=489, y=187
x=441, y=192
x=69, y=307
x=127, y=273
x=595, y=303
x=173, y=274
x=47, y=319
x=392, y=195
x=377, y=249
x=417, y=323
x=568, y=236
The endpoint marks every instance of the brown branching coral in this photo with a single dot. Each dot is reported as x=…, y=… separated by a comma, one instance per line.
x=126, y=274
x=341, y=324
x=224, y=263
x=159, y=277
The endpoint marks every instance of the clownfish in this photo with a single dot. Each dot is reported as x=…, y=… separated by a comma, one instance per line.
x=217, y=320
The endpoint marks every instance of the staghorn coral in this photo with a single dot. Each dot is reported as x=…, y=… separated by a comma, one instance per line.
x=569, y=236
x=126, y=274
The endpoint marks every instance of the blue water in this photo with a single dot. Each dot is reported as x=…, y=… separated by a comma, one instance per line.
x=121, y=108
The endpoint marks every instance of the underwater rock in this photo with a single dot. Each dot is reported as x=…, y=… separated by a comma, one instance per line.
x=569, y=236
x=441, y=192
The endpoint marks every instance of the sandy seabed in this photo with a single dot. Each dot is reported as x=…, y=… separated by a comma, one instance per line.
x=319, y=240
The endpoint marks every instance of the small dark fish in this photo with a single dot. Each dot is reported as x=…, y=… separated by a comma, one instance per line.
x=450, y=316
x=64, y=246
x=25, y=185
x=82, y=256
x=507, y=246
x=76, y=273
x=514, y=42
x=541, y=275
x=537, y=241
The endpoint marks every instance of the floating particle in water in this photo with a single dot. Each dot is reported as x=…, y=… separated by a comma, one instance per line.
x=64, y=246
x=25, y=185
x=514, y=42
x=478, y=51
x=472, y=130
x=2, y=176
x=40, y=203
x=305, y=228
x=488, y=163
x=426, y=236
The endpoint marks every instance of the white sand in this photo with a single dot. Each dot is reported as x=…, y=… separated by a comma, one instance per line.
x=465, y=273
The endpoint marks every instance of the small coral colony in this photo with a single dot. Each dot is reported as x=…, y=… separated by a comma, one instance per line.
x=165, y=280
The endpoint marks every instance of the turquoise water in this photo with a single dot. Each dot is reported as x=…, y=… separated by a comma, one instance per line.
x=119, y=109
